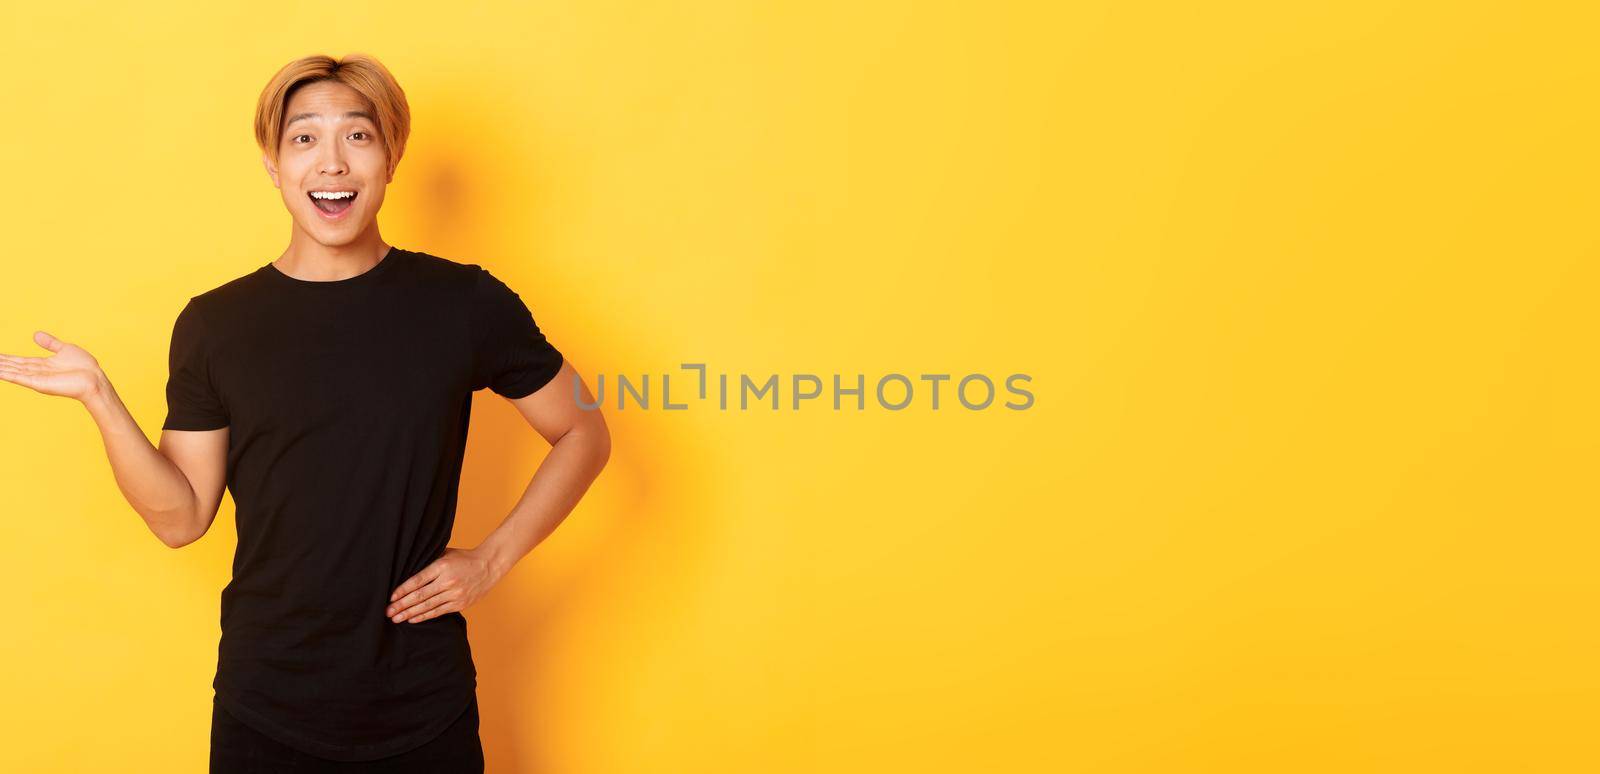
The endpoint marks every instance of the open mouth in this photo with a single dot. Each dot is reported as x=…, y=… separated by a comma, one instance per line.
x=332, y=204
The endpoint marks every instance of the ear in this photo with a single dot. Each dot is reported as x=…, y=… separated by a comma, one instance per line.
x=272, y=170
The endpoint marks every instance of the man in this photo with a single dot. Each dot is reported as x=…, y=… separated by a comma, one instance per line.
x=330, y=391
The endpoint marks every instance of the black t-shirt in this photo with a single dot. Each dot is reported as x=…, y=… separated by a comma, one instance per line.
x=347, y=404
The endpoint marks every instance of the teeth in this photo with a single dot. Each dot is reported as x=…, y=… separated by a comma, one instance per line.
x=332, y=194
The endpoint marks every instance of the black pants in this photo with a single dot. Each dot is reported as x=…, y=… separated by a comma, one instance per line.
x=239, y=749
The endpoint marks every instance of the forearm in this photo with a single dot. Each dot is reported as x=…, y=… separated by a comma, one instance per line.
x=155, y=486
x=560, y=482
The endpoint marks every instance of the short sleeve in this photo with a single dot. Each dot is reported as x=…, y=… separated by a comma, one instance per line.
x=192, y=400
x=511, y=356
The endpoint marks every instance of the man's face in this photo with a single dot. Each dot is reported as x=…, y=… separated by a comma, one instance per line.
x=330, y=145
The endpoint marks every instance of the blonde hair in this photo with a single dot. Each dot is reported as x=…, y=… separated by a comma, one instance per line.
x=361, y=72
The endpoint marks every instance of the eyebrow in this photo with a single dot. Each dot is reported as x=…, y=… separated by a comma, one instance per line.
x=351, y=114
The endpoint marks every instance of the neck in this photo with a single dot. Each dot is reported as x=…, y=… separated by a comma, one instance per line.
x=306, y=258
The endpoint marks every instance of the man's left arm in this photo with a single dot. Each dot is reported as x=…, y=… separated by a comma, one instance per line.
x=580, y=445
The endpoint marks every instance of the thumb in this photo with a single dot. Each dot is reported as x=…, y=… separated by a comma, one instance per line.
x=47, y=341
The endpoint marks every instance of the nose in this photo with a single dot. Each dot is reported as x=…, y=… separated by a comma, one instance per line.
x=332, y=162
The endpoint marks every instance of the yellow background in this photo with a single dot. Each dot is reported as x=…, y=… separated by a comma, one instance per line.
x=1306, y=292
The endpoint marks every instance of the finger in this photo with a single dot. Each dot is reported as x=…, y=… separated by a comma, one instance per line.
x=410, y=600
x=17, y=376
x=434, y=606
x=435, y=613
x=47, y=341
x=417, y=609
x=442, y=590
x=26, y=369
x=21, y=360
x=416, y=582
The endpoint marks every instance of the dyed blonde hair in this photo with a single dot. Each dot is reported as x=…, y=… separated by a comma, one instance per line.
x=361, y=72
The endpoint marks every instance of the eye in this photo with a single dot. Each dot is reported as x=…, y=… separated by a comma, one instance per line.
x=297, y=137
x=360, y=133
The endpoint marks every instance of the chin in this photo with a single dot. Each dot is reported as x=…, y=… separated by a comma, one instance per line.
x=333, y=234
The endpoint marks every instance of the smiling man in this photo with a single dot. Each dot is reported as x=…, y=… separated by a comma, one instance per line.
x=330, y=391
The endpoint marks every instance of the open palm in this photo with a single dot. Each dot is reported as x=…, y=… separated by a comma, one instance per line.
x=70, y=372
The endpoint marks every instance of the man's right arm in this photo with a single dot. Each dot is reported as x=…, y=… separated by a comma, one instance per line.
x=177, y=487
